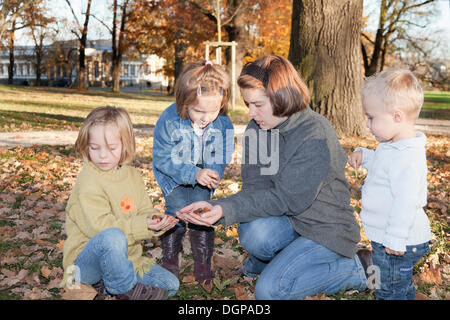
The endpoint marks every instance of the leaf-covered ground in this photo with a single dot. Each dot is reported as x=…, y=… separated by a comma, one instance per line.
x=35, y=184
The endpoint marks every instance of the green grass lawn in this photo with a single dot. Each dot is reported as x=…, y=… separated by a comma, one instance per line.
x=26, y=108
x=436, y=105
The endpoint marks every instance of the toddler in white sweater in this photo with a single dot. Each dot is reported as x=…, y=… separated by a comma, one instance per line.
x=395, y=189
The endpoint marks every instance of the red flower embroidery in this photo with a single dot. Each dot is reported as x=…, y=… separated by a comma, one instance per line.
x=127, y=205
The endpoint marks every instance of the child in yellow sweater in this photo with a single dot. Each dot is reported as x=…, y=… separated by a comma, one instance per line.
x=109, y=213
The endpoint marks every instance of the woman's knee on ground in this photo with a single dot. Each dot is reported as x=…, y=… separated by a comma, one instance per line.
x=254, y=237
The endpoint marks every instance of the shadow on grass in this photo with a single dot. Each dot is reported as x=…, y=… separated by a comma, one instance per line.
x=97, y=93
x=36, y=119
x=440, y=114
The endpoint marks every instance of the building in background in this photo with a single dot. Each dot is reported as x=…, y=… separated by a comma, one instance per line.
x=59, y=66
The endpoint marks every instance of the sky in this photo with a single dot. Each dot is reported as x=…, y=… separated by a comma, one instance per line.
x=439, y=27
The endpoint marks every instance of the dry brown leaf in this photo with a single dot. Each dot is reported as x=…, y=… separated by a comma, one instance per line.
x=222, y=262
x=431, y=276
x=421, y=296
x=45, y=271
x=60, y=245
x=188, y=279
x=208, y=285
x=240, y=293
x=84, y=292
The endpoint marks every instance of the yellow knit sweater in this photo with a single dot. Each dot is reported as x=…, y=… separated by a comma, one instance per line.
x=105, y=199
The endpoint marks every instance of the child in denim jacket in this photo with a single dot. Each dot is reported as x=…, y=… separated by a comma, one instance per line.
x=193, y=142
x=395, y=189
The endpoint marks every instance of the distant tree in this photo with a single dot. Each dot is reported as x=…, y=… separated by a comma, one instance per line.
x=41, y=28
x=396, y=18
x=325, y=48
x=81, y=32
x=12, y=10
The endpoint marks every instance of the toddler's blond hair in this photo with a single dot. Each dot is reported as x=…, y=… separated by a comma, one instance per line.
x=396, y=89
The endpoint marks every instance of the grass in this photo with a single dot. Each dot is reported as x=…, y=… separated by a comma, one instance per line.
x=27, y=109
x=436, y=105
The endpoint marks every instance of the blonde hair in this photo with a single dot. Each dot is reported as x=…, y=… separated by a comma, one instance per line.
x=284, y=86
x=396, y=88
x=204, y=77
x=105, y=116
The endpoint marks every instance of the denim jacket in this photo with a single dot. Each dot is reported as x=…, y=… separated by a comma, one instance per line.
x=179, y=153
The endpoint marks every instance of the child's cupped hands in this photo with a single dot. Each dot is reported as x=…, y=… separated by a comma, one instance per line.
x=355, y=159
x=161, y=223
x=208, y=178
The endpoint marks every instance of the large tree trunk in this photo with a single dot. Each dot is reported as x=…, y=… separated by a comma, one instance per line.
x=325, y=48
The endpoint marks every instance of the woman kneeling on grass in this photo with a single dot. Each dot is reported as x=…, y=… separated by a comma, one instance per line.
x=295, y=219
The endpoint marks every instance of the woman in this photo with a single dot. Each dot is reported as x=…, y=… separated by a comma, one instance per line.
x=295, y=220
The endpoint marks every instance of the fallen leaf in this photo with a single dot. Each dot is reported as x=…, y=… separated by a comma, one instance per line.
x=45, y=271
x=431, y=276
x=421, y=296
x=188, y=279
x=240, y=293
x=84, y=292
x=208, y=285
x=60, y=245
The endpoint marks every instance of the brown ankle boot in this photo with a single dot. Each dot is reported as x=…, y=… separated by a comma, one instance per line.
x=202, y=246
x=171, y=247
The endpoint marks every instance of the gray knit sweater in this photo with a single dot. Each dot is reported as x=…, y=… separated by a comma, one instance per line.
x=309, y=186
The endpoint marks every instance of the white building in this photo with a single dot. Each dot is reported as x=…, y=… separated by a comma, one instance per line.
x=60, y=63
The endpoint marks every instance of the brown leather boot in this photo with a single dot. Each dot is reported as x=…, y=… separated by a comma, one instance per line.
x=202, y=246
x=171, y=247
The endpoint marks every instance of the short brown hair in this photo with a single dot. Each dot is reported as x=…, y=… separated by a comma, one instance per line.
x=104, y=116
x=210, y=77
x=285, y=88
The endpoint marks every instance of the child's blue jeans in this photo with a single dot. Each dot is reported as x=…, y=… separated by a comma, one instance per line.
x=294, y=267
x=396, y=271
x=105, y=258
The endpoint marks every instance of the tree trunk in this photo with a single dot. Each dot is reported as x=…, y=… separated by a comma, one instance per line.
x=38, y=68
x=11, y=55
x=326, y=50
x=115, y=67
x=82, y=79
x=181, y=44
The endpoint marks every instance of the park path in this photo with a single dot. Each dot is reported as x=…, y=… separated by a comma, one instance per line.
x=27, y=139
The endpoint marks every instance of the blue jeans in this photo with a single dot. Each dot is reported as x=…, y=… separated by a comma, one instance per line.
x=291, y=266
x=396, y=272
x=105, y=258
x=182, y=196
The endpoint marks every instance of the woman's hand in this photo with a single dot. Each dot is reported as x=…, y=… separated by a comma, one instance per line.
x=208, y=178
x=355, y=159
x=205, y=219
x=166, y=223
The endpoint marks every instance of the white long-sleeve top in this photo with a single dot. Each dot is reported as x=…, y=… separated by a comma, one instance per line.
x=395, y=192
